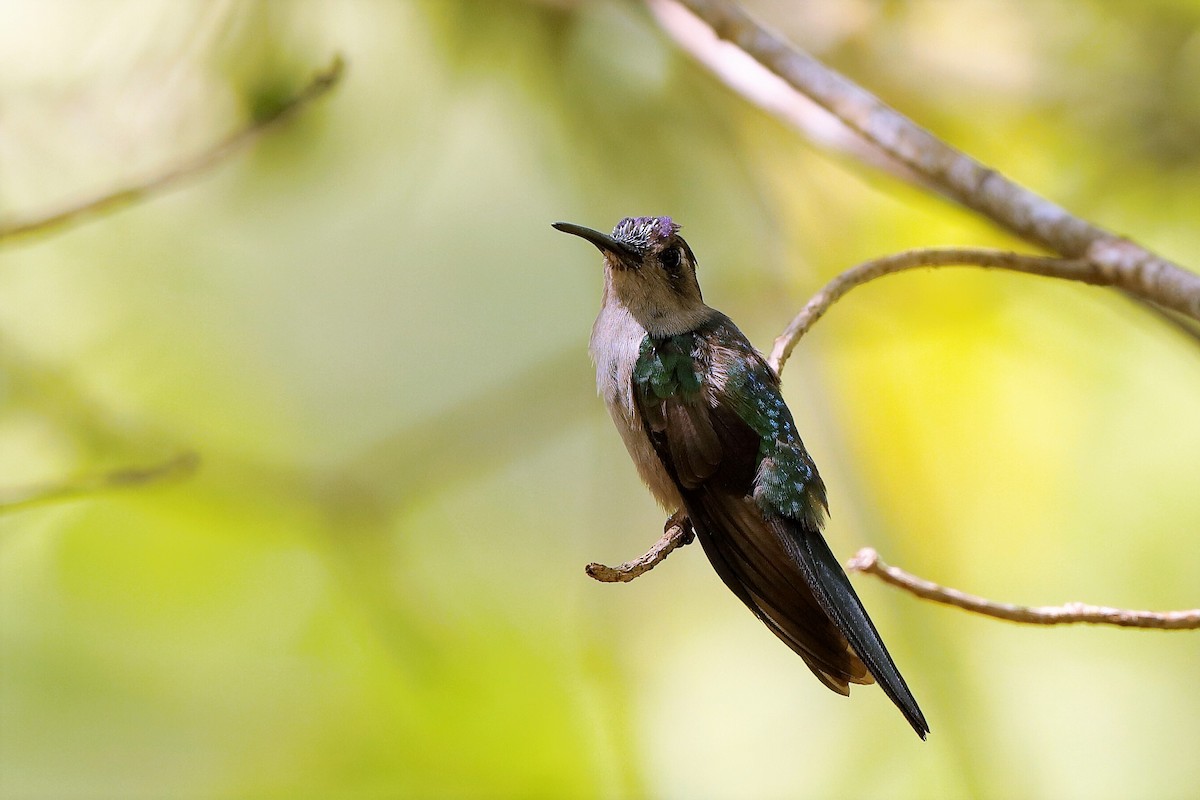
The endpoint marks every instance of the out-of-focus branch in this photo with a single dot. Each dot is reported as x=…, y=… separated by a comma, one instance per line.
x=947, y=170
x=868, y=561
x=180, y=466
x=754, y=82
x=173, y=174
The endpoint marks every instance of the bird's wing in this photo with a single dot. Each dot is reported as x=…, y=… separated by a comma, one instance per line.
x=713, y=410
x=700, y=433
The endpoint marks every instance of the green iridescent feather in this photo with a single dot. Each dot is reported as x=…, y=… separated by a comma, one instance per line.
x=787, y=483
x=666, y=367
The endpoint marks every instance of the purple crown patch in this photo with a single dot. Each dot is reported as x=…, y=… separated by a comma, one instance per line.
x=642, y=232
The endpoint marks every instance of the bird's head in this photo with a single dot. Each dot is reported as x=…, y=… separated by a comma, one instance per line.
x=650, y=270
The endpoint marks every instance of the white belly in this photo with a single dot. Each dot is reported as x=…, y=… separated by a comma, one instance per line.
x=616, y=337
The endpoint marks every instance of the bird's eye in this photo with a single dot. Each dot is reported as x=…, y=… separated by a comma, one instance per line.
x=670, y=260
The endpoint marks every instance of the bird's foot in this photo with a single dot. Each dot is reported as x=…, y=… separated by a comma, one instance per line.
x=680, y=520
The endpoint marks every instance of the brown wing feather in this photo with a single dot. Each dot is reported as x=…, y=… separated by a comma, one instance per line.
x=712, y=455
x=761, y=573
x=695, y=449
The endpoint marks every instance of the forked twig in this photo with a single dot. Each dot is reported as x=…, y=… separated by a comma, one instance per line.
x=173, y=174
x=947, y=170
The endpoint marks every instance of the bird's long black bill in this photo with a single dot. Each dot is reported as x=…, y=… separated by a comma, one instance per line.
x=604, y=242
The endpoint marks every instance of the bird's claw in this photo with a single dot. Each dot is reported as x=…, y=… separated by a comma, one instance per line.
x=680, y=520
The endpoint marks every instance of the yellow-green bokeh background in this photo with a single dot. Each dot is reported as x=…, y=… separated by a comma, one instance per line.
x=367, y=330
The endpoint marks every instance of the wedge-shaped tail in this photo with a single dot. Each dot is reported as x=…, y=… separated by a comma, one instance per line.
x=839, y=601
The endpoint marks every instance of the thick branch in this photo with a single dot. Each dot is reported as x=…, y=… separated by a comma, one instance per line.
x=867, y=560
x=949, y=171
x=755, y=83
x=174, y=174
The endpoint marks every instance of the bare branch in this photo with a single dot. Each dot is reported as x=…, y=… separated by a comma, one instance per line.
x=768, y=91
x=180, y=466
x=172, y=175
x=949, y=171
x=868, y=561
x=678, y=532
x=833, y=291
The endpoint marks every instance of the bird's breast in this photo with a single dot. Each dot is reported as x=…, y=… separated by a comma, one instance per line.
x=616, y=340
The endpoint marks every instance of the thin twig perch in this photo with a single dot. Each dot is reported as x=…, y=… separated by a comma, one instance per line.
x=1046, y=266
x=675, y=535
x=42, y=223
x=868, y=561
x=1068, y=269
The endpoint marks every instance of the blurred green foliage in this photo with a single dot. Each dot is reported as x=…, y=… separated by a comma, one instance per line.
x=367, y=330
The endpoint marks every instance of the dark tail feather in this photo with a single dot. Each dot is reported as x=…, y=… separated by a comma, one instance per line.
x=837, y=597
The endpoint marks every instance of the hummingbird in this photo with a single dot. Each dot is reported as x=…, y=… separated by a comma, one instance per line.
x=701, y=414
